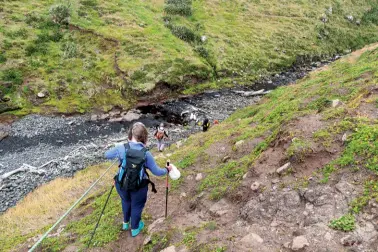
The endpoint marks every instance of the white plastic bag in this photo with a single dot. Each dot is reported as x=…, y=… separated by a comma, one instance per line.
x=174, y=173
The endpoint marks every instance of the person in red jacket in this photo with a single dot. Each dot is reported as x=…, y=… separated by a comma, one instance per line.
x=160, y=134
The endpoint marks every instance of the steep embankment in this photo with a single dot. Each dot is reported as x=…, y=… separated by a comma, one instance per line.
x=297, y=171
x=86, y=54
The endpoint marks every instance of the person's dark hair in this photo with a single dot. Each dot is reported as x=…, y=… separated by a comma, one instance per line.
x=139, y=132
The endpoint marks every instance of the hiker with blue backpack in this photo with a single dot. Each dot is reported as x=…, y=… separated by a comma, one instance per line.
x=132, y=178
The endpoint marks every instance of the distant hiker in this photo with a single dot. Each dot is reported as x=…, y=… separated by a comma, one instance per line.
x=205, y=125
x=216, y=122
x=160, y=134
x=132, y=178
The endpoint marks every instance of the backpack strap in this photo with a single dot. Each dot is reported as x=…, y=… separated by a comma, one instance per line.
x=149, y=181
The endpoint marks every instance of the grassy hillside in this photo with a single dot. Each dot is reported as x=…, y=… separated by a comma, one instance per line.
x=325, y=125
x=85, y=54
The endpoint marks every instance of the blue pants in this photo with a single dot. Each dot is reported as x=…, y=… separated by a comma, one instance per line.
x=132, y=204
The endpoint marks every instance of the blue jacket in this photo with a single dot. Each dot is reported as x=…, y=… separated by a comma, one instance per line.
x=120, y=152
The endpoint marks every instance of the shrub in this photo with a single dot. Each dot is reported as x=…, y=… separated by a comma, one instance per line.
x=178, y=9
x=13, y=75
x=202, y=51
x=178, y=2
x=371, y=16
x=21, y=33
x=3, y=58
x=183, y=33
x=46, y=36
x=344, y=223
x=69, y=50
x=33, y=19
x=35, y=48
x=89, y=3
x=60, y=14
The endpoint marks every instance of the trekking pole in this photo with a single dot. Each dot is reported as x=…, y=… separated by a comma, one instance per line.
x=102, y=212
x=166, y=193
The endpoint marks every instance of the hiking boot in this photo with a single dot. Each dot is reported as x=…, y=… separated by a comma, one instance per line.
x=135, y=232
x=125, y=226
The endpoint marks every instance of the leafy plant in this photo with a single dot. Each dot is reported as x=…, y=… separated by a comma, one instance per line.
x=13, y=75
x=345, y=223
x=189, y=239
x=69, y=50
x=371, y=16
x=370, y=192
x=362, y=148
x=202, y=51
x=298, y=149
x=3, y=58
x=182, y=9
x=184, y=33
x=36, y=48
x=60, y=14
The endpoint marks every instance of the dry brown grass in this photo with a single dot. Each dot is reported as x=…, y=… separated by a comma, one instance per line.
x=45, y=204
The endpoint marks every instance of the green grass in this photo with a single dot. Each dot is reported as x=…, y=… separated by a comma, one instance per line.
x=370, y=193
x=345, y=223
x=155, y=41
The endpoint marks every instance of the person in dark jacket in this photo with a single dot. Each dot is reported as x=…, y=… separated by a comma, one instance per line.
x=205, y=125
x=133, y=202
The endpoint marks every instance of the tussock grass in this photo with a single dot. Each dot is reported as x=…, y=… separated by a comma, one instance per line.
x=46, y=204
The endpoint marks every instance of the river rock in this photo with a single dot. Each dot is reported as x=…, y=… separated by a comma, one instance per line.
x=199, y=177
x=283, y=168
x=275, y=181
x=104, y=116
x=3, y=134
x=336, y=103
x=225, y=159
x=152, y=227
x=131, y=116
x=255, y=186
x=41, y=94
x=114, y=113
x=94, y=118
x=345, y=188
x=220, y=208
x=239, y=143
x=169, y=249
x=299, y=243
x=328, y=236
x=350, y=240
x=366, y=231
x=251, y=240
x=183, y=195
x=117, y=119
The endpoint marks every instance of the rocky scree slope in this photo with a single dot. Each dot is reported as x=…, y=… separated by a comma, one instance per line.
x=83, y=54
x=296, y=172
